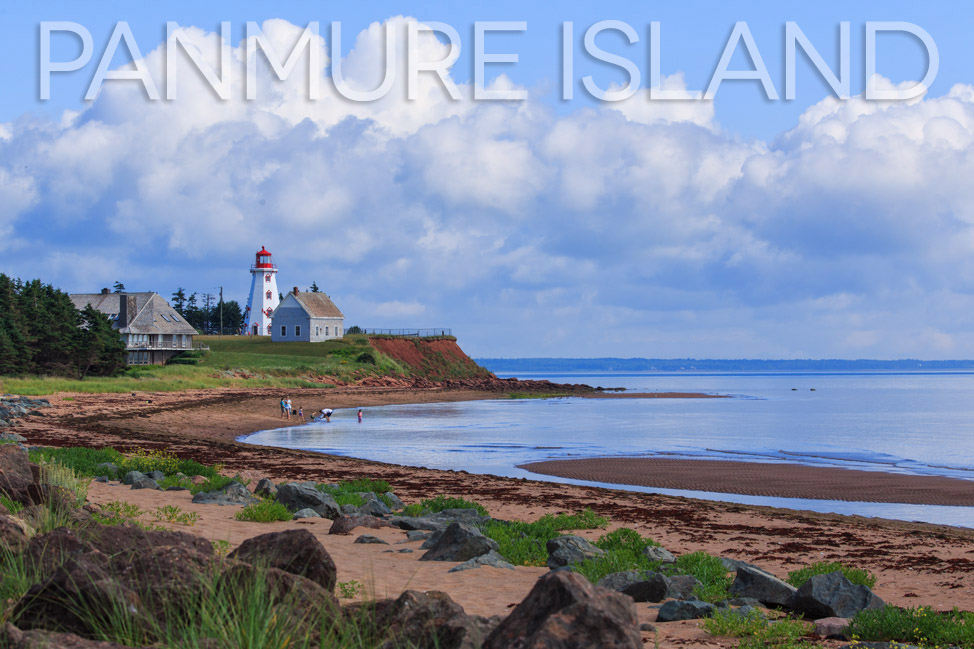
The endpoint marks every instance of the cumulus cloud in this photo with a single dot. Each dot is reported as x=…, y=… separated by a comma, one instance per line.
x=634, y=227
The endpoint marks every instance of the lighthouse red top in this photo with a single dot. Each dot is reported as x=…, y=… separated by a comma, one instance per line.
x=263, y=259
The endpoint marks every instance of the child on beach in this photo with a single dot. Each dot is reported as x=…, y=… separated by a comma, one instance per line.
x=301, y=413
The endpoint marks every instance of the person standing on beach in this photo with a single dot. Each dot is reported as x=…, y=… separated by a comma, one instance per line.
x=300, y=413
x=360, y=415
x=287, y=407
x=283, y=406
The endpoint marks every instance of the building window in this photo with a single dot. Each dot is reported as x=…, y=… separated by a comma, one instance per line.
x=268, y=295
x=317, y=331
x=297, y=331
x=283, y=331
x=267, y=278
x=327, y=330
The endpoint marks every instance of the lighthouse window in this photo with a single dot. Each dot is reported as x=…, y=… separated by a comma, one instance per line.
x=267, y=278
x=268, y=294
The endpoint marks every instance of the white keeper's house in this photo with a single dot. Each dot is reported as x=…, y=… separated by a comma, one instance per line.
x=308, y=317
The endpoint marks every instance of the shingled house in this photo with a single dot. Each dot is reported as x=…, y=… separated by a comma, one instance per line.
x=152, y=330
x=309, y=317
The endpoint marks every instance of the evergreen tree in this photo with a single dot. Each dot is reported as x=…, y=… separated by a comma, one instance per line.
x=118, y=287
x=314, y=287
x=99, y=350
x=14, y=355
x=232, y=317
x=179, y=301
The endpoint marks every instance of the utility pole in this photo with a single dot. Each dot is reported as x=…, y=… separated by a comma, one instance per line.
x=221, y=310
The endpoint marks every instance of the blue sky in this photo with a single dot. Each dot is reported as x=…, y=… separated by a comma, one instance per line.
x=738, y=227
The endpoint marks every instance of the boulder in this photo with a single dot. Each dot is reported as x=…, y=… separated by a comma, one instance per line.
x=373, y=506
x=762, y=586
x=295, y=551
x=440, y=520
x=307, y=512
x=368, y=538
x=832, y=595
x=132, y=476
x=15, y=473
x=659, y=553
x=46, y=552
x=37, y=639
x=345, y=524
x=265, y=488
x=459, y=542
x=692, y=609
x=349, y=510
x=733, y=564
x=564, y=611
x=418, y=535
x=231, y=494
x=568, y=550
x=429, y=620
x=166, y=578
x=12, y=535
x=158, y=476
x=145, y=482
x=682, y=587
x=12, y=437
x=491, y=559
x=832, y=627
x=641, y=586
x=394, y=501
x=127, y=540
x=296, y=496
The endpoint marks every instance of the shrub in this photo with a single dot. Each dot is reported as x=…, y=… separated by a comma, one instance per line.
x=175, y=514
x=623, y=551
x=921, y=626
x=57, y=474
x=266, y=511
x=856, y=575
x=82, y=460
x=709, y=570
x=755, y=631
x=439, y=503
x=212, y=484
x=12, y=505
x=525, y=544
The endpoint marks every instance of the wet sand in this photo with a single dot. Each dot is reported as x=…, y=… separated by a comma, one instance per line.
x=759, y=479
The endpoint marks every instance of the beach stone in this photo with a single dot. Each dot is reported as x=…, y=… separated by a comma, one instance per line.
x=307, y=512
x=459, y=542
x=345, y=524
x=641, y=586
x=832, y=627
x=145, y=483
x=659, y=553
x=762, y=586
x=368, y=538
x=417, y=535
x=295, y=551
x=564, y=610
x=132, y=476
x=430, y=620
x=682, y=587
x=491, y=559
x=297, y=496
x=176, y=488
x=431, y=540
x=108, y=468
x=744, y=601
x=101, y=478
x=349, y=509
x=373, y=506
x=12, y=437
x=832, y=595
x=265, y=488
x=568, y=550
x=156, y=475
x=16, y=475
x=231, y=494
x=733, y=564
x=690, y=609
x=394, y=501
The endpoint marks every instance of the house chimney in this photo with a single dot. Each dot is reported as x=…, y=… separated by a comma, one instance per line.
x=104, y=291
x=295, y=290
x=126, y=310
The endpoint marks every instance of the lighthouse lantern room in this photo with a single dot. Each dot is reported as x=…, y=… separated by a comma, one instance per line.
x=263, y=295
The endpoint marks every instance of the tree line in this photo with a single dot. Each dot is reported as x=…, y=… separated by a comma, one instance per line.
x=206, y=311
x=41, y=332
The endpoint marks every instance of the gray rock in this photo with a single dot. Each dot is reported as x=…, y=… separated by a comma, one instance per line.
x=647, y=627
x=12, y=437
x=641, y=586
x=349, y=509
x=296, y=496
x=733, y=564
x=418, y=535
x=431, y=540
x=394, y=501
x=459, y=542
x=132, y=476
x=108, y=468
x=744, y=601
x=307, y=512
x=692, y=609
x=490, y=559
x=569, y=550
x=682, y=587
x=265, y=488
x=762, y=586
x=659, y=553
x=145, y=483
x=158, y=476
x=101, y=478
x=176, y=488
x=373, y=506
x=832, y=595
x=405, y=551
x=368, y=538
x=232, y=494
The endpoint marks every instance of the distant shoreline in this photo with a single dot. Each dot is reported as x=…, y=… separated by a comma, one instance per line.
x=691, y=365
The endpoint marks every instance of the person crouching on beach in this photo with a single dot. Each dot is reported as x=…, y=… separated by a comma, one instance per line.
x=326, y=414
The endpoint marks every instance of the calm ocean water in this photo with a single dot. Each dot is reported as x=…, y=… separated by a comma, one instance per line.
x=916, y=423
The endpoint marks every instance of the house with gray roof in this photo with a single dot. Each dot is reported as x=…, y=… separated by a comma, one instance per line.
x=152, y=330
x=308, y=317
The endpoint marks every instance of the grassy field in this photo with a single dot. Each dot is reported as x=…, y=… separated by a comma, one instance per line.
x=235, y=361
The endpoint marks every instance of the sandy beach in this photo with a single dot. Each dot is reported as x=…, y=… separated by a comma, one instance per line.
x=915, y=563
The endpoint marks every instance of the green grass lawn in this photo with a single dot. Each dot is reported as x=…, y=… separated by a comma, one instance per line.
x=238, y=362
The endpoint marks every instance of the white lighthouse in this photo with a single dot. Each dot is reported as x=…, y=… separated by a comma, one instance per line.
x=263, y=295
